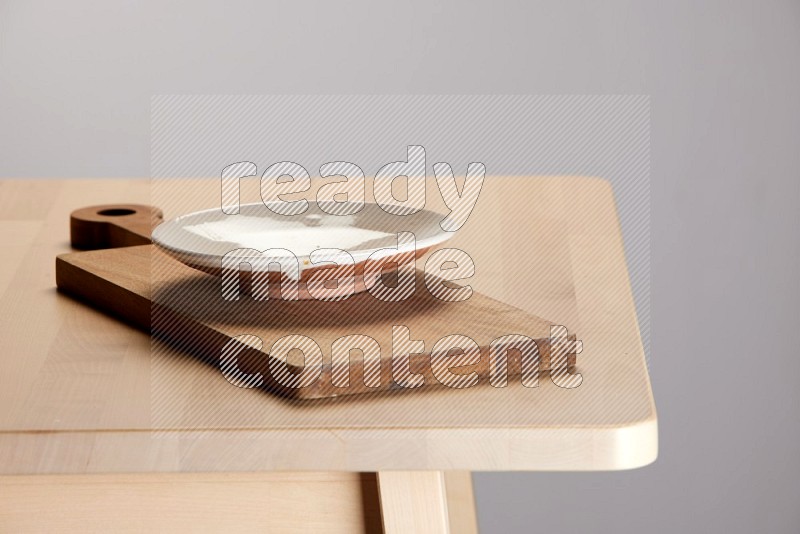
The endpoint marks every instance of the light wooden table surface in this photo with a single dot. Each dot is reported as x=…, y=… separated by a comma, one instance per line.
x=87, y=440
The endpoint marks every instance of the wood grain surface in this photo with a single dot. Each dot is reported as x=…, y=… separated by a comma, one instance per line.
x=346, y=503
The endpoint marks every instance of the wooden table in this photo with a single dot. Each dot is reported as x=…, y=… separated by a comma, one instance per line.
x=80, y=448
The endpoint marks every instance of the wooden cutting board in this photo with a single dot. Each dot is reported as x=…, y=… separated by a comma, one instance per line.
x=123, y=275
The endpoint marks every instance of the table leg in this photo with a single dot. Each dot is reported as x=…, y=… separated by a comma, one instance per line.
x=461, y=502
x=426, y=501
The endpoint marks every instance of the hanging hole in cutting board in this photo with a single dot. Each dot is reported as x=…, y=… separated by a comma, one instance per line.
x=116, y=212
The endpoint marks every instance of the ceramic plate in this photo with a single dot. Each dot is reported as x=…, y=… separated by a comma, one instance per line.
x=202, y=238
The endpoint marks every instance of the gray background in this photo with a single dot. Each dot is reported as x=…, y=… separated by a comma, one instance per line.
x=75, y=84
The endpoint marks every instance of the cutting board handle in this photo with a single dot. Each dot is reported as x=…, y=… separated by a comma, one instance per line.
x=113, y=225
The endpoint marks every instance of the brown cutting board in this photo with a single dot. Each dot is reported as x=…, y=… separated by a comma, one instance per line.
x=141, y=285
